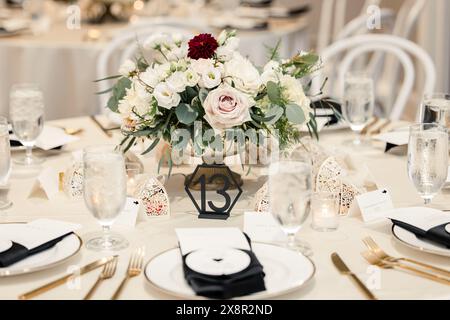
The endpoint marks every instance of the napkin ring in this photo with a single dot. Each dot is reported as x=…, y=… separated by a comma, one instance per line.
x=154, y=198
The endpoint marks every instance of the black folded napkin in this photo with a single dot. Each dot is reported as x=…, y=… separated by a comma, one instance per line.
x=437, y=234
x=18, y=252
x=245, y=282
x=328, y=104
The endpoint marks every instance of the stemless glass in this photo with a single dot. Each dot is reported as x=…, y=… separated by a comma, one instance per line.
x=5, y=163
x=428, y=159
x=105, y=189
x=358, y=103
x=26, y=111
x=290, y=187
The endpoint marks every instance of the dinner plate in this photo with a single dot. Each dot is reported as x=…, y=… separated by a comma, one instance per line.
x=286, y=271
x=409, y=239
x=60, y=253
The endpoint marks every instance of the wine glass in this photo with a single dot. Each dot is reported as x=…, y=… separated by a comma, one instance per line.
x=27, y=118
x=428, y=159
x=290, y=188
x=5, y=163
x=105, y=189
x=358, y=106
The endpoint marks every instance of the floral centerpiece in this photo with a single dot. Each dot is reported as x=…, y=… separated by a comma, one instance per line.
x=205, y=81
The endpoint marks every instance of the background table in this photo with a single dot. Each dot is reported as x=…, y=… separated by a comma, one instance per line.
x=158, y=234
x=63, y=62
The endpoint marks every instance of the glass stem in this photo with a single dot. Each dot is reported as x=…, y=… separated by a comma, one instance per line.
x=29, y=152
x=291, y=240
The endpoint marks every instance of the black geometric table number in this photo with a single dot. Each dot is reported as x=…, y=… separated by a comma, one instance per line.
x=218, y=178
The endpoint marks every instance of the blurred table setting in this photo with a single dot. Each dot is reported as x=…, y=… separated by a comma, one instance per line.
x=65, y=40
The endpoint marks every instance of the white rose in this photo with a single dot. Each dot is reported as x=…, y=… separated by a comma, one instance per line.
x=166, y=97
x=211, y=78
x=156, y=41
x=226, y=107
x=293, y=92
x=272, y=72
x=243, y=74
x=191, y=77
x=177, y=81
x=226, y=52
x=127, y=67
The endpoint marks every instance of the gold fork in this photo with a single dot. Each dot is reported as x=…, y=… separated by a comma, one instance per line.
x=384, y=264
x=108, y=272
x=375, y=248
x=134, y=269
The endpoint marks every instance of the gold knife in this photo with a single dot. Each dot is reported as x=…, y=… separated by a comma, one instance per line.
x=343, y=269
x=87, y=268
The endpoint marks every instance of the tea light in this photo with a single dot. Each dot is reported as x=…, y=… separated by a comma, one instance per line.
x=325, y=212
x=133, y=171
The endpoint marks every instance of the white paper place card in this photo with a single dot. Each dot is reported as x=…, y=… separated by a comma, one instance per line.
x=48, y=182
x=129, y=214
x=375, y=205
x=398, y=138
x=202, y=238
x=420, y=217
x=262, y=227
x=36, y=233
x=51, y=137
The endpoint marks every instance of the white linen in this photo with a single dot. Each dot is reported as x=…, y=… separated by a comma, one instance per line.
x=159, y=235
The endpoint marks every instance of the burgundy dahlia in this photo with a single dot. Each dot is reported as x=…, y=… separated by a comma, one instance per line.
x=202, y=46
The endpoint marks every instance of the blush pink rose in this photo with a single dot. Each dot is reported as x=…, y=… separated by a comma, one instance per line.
x=226, y=107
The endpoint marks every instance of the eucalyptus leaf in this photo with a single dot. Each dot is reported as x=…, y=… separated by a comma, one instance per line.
x=274, y=92
x=295, y=114
x=202, y=94
x=186, y=114
x=152, y=146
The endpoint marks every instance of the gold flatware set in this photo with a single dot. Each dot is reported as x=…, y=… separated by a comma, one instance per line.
x=109, y=265
x=377, y=257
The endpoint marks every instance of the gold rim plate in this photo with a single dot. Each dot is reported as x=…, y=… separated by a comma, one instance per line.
x=5, y=273
x=419, y=248
x=257, y=296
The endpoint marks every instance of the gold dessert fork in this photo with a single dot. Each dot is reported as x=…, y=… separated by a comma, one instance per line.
x=385, y=264
x=375, y=248
x=134, y=269
x=107, y=273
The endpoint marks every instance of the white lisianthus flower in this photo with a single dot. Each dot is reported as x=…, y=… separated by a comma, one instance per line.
x=177, y=81
x=226, y=107
x=177, y=53
x=156, y=41
x=191, y=77
x=163, y=70
x=166, y=97
x=177, y=38
x=243, y=74
x=127, y=67
x=202, y=65
x=222, y=37
x=271, y=72
x=293, y=92
x=137, y=99
x=211, y=78
x=226, y=51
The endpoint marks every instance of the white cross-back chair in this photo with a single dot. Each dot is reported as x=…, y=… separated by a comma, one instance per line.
x=402, y=49
x=127, y=43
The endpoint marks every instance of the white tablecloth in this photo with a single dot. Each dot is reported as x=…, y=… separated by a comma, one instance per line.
x=158, y=234
x=63, y=63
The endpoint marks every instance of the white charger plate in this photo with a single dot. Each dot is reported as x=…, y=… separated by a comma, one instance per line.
x=58, y=254
x=409, y=239
x=286, y=271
